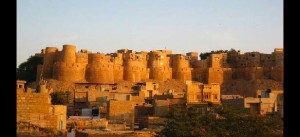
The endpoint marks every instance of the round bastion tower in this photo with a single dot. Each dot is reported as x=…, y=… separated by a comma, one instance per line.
x=99, y=69
x=49, y=58
x=68, y=54
x=180, y=67
x=66, y=68
x=135, y=68
x=159, y=66
x=117, y=59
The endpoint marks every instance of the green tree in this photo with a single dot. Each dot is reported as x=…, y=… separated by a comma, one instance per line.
x=28, y=70
x=232, y=57
x=59, y=98
x=230, y=122
x=205, y=55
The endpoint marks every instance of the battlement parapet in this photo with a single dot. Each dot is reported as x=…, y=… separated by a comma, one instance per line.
x=51, y=49
x=125, y=64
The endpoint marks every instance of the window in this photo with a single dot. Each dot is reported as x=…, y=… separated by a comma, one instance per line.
x=206, y=96
x=95, y=112
x=20, y=86
x=127, y=97
x=215, y=97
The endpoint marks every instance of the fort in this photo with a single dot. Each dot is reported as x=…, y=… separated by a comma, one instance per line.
x=128, y=91
x=159, y=65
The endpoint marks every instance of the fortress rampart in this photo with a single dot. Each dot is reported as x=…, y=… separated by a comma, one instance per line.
x=135, y=67
x=73, y=72
x=160, y=65
x=181, y=69
x=68, y=54
x=66, y=68
x=99, y=69
x=49, y=58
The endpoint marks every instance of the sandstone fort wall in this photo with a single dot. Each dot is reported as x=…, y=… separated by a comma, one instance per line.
x=160, y=65
x=36, y=108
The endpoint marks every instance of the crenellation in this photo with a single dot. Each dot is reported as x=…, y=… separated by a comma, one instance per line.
x=161, y=65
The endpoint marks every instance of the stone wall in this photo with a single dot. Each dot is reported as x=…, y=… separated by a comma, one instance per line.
x=26, y=129
x=135, y=67
x=248, y=73
x=36, y=109
x=180, y=67
x=119, y=111
x=159, y=65
x=192, y=56
x=194, y=92
x=219, y=75
x=113, y=134
x=234, y=103
x=118, y=73
x=161, y=108
x=49, y=58
x=81, y=123
x=65, y=68
x=161, y=73
x=73, y=72
x=100, y=69
x=277, y=73
x=200, y=74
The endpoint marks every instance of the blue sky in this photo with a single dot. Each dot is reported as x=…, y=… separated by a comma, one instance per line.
x=178, y=25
